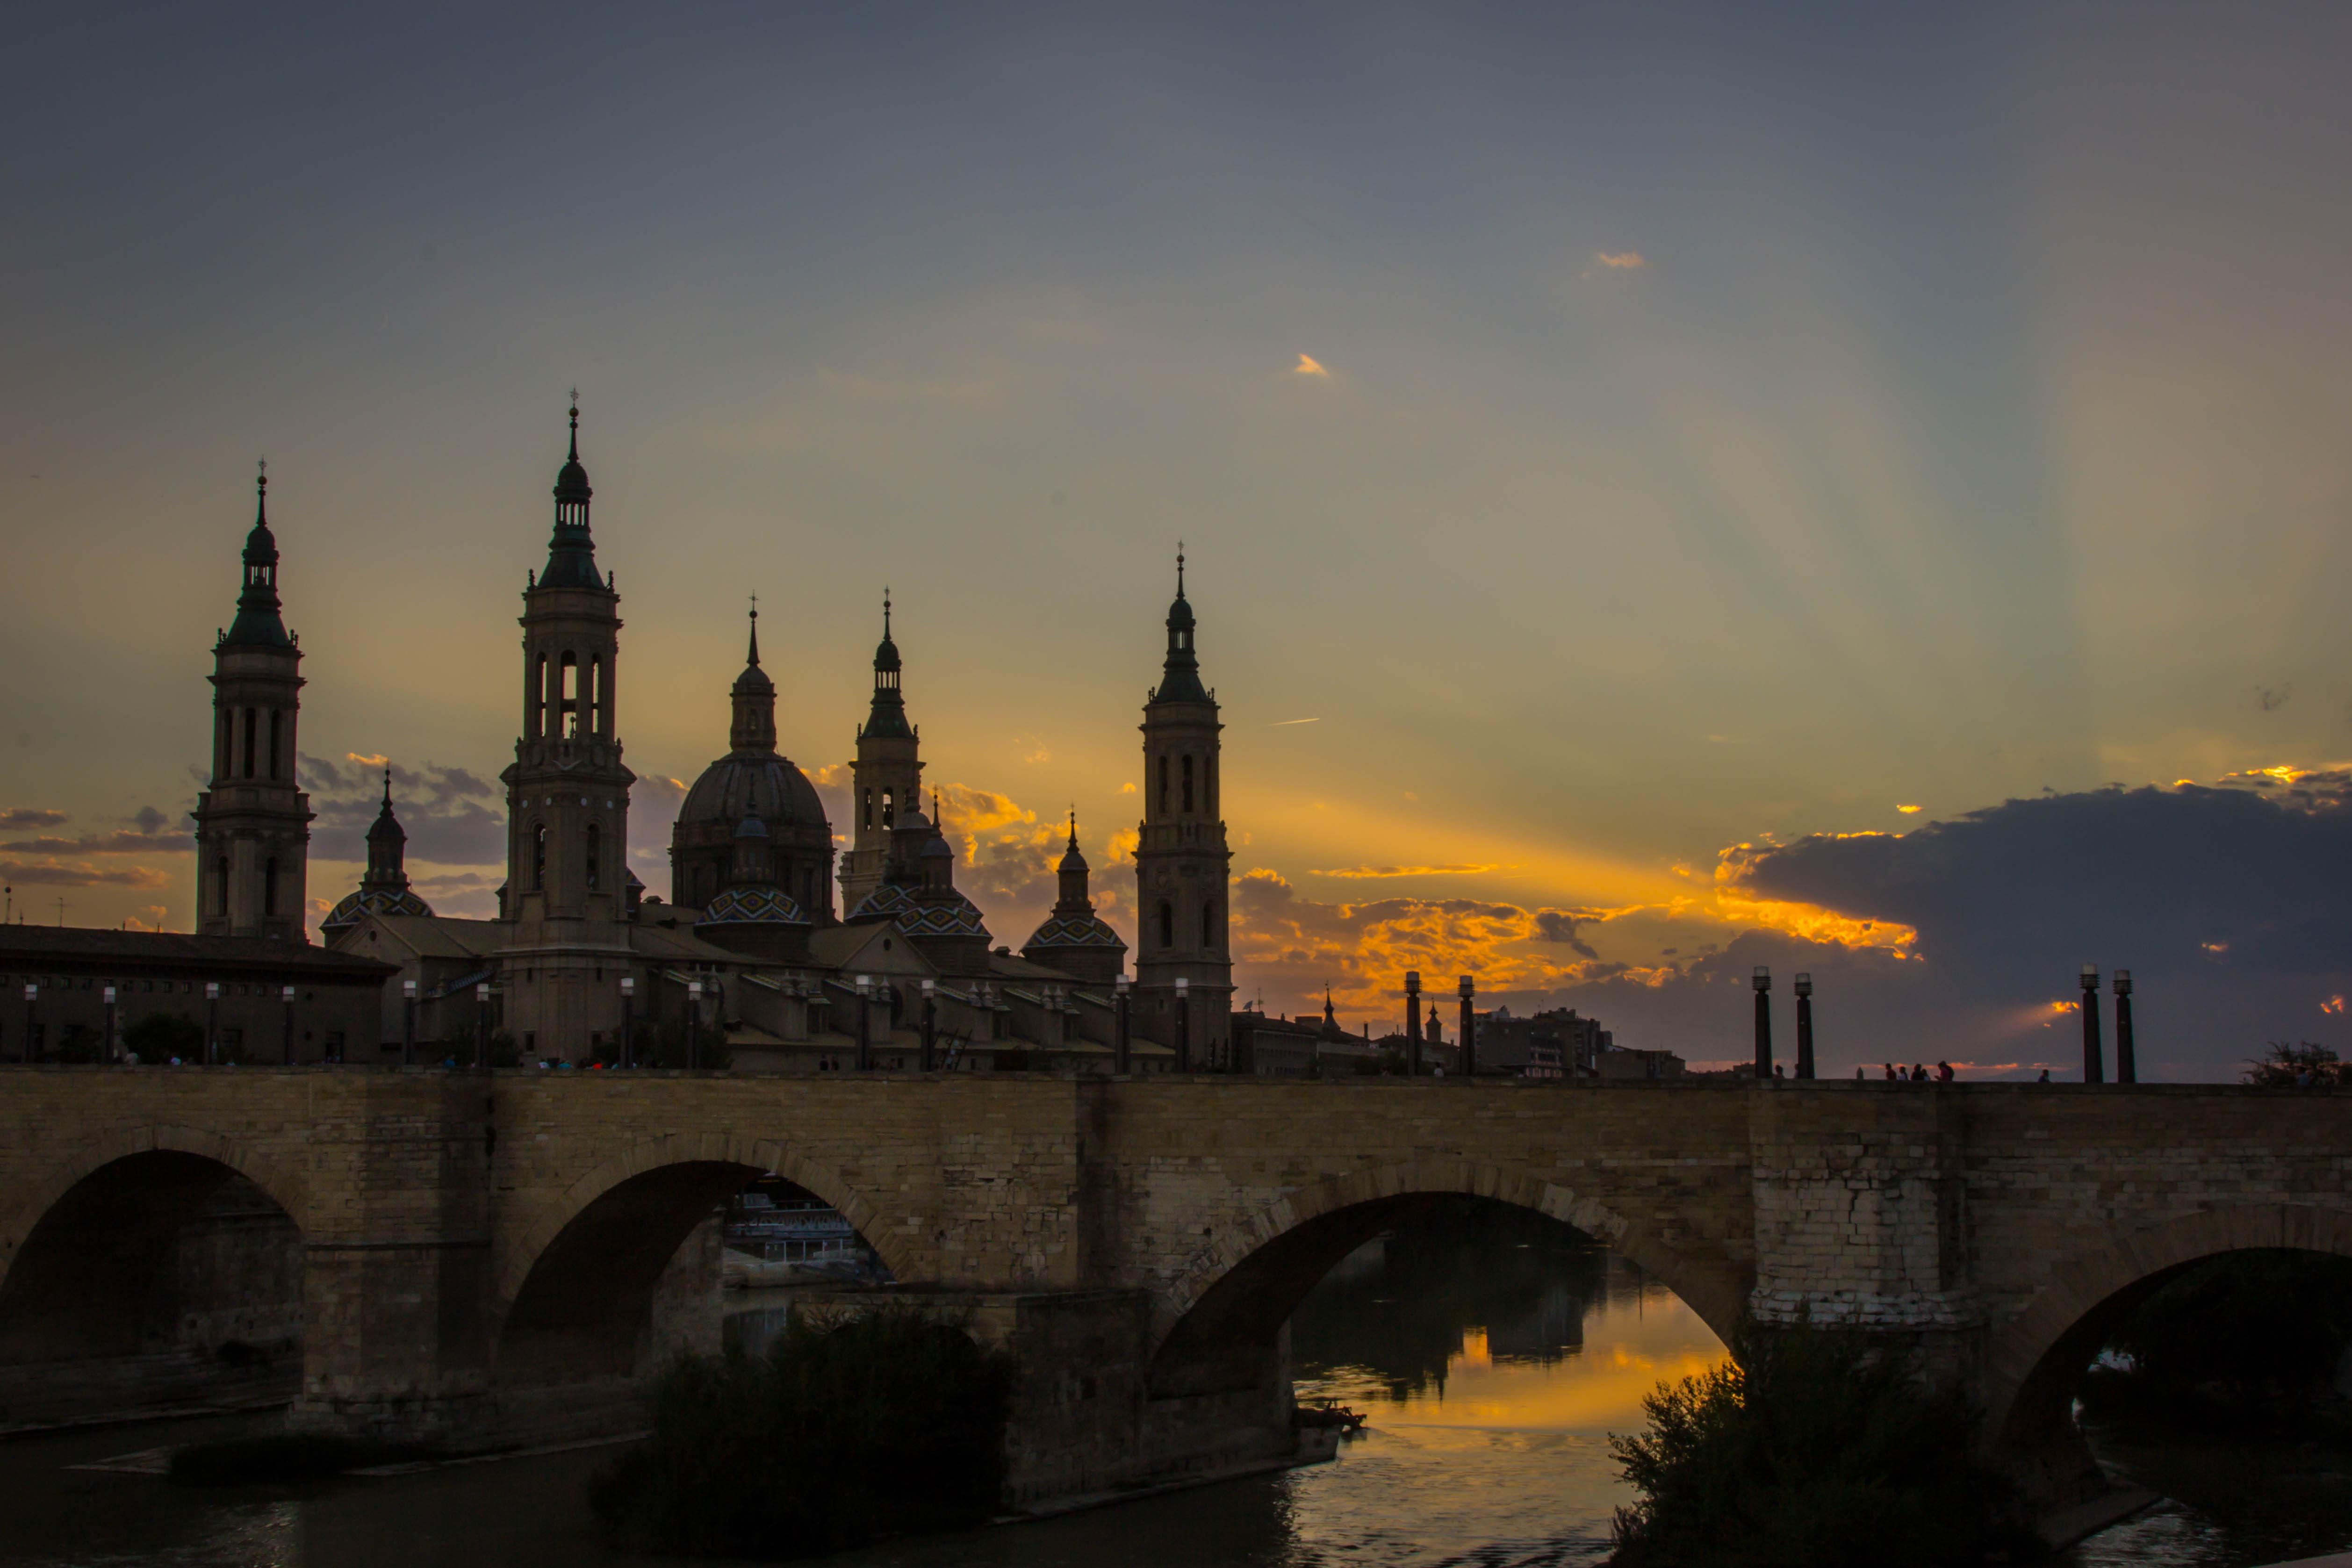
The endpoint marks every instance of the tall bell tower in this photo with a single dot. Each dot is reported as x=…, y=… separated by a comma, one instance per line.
x=566, y=897
x=1183, y=868
x=253, y=824
x=885, y=782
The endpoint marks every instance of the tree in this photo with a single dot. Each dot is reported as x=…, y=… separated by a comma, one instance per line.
x=2283, y=1066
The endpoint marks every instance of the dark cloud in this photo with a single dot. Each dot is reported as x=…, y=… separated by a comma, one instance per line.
x=452, y=816
x=58, y=874
x=24, y=818
x=1562, y=926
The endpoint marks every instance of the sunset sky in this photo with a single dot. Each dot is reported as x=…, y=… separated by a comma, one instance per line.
x=1628, y=457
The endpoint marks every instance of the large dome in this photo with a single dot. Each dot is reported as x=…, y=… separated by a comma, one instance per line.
x=752, y=783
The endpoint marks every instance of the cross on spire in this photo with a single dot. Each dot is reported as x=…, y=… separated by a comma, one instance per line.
x=886, y=610
x=1179, y=568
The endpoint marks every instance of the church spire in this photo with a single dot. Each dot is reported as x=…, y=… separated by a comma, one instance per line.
x=257, y=621
x=1180, y=679
x=887, y=718
x=1075, y=899
x=387, y=845
x=754, y=697
x=570, y=551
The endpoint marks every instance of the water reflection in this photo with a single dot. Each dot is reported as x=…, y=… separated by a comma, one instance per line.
x=1493, y=1350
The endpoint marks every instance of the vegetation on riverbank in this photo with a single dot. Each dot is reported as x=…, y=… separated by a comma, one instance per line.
x=1809, y=1449
x=850, y=1428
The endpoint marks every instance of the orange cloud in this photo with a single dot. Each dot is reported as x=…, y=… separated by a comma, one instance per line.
x=56, y=873
x=1308, y=365
x=1359, y=873
x=1909, y=810
x=1810, y=921
x=1605, y=261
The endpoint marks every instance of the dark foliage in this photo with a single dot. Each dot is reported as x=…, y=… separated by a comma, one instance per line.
x=2305, y=1065
x=1808, y=1450
x=278, y=1458
x=848, y=1429
x=160, y=1037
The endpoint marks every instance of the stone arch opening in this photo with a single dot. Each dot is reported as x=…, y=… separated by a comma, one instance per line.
x=1224, y=1320
x=155, y=1279
x=630, y=1274
x=2034, y=1364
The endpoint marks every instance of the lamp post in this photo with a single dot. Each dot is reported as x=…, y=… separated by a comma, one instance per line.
x=408, y=1022
x=482, y=1027
x=628, y=1014
x=929, y=1058
x=32, y=995
x=2094, y=1068
x=1468, y=990
x=1804, y=1025
x=111, y=1050
x=212, y=1022
x=2127, y=1061
x=693, y=1024
x=865, y=1023
x=1763, y=1021
x=1121, y=1043
x=1184, y=1024
x=1412, y=1023
x=286, y=994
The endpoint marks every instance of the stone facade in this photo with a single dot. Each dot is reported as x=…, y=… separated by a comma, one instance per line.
x=493, y=1256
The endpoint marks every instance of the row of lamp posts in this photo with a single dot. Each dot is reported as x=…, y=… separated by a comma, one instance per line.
x=1805, y=989
x=1466, y=988
x=2094, y=1059
x=212, y=1020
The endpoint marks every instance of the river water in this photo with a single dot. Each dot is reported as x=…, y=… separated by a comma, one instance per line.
x=1494, y=1352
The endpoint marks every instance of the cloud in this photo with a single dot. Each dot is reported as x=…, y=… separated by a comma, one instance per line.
x=19, y=818
x=58, y=874
x=1308, y=365
x=123, y=841
x=1285, y=723
x=1618, y=262
x=1909, y=810
x=452, y=816
x=1564, y=927
x=1366, y=873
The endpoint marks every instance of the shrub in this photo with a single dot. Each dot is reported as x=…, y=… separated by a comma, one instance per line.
x=1810, y=1449
x=849, y=1428
x=2282, y=1066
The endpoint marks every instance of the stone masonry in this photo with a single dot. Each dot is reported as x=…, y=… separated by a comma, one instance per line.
x=496, y=1257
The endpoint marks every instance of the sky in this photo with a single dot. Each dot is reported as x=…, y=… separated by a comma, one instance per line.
x=1855, y=490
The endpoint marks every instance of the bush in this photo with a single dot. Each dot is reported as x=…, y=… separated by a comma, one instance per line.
x=2283, y=1066
x=1810, y=1449
x=848, y=1429
x=160, y=1037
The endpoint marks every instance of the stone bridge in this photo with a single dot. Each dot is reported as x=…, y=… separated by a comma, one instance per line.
x=489, y=1259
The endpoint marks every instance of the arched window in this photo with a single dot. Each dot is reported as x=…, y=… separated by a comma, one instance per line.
x=889, y=809
x=270, y=886
x=220, y=886
x=595, y=855
x=570, y=694
x=599, y=701
x=1188, y=782
x=1167, y=923
x=249, y=742
x=277, y=739
x=869, y=809
x=539, y=857
x=1208, y=925
x=536, y=720
x=1163, y=784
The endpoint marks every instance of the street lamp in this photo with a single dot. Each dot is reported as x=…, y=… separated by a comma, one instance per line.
x=1184, y=1024
x=2127, y=1060
x=1123, y=1049
x=865, y=1023
x=1804, y=1025
x=286, y=994
x=628, y=1014
x=408, y=1022
x=32, y=995
x=931, y=1022
x=693, y=1023
x=212, y=1022
x=1468, y=990
x=1763, y=1021
x=2094, y=1069
x=1412, y=1023
x=482, y=1027
x=110, y=1048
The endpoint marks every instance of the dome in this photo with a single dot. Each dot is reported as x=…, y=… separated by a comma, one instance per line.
x=1075, y=931
x=762, y=904
x=751, y=827
x=752, y=783
x=371, y=902
x=936, y=849
x=954, y=916
x=260, y=546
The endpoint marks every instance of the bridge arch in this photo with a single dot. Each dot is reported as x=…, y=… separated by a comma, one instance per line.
x=2034, y=1363
x=575, y=1293
x=1216, y=1321
x=91, y=1264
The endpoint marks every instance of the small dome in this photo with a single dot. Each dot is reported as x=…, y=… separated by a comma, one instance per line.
x=886, y=653
x=371, y=902
x=260, y=546
x=958, y=916
x=1076, y=930
x=761, y=904
x=751, y=827
x=937, y=850
x=1072, y=860
x=753, y=678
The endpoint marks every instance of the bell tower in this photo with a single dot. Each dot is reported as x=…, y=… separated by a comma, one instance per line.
x=253, y=824
x=1183, y=868
x=567, y=796
x=885, y=782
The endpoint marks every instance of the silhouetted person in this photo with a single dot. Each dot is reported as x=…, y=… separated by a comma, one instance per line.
x=1892, y=1076
x=2044, y=1077
x=1780, y=1071
x=1918, y=1073
x=1943, y=1072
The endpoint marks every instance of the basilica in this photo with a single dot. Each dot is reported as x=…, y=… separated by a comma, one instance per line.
x=777, y=948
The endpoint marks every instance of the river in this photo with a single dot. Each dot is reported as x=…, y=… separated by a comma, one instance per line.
x=1494, y=1353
